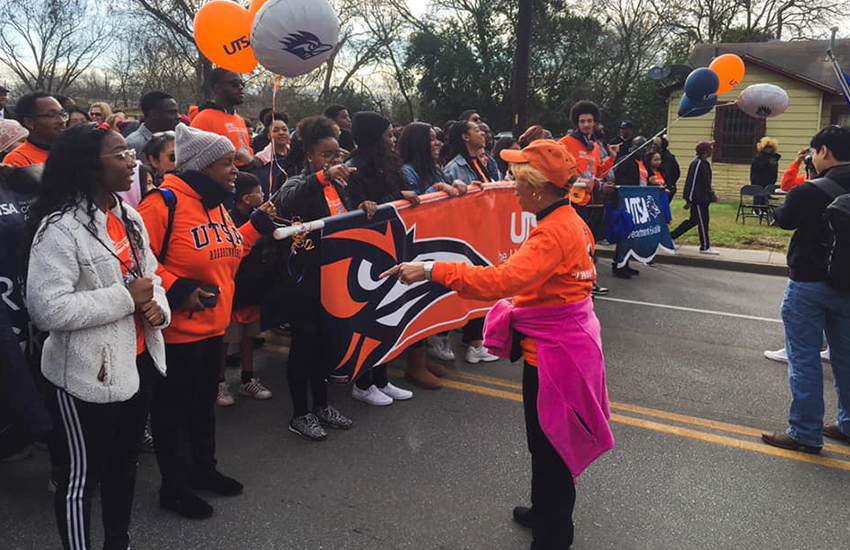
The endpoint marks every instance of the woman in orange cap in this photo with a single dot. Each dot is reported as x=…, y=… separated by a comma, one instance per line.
x=551, y=313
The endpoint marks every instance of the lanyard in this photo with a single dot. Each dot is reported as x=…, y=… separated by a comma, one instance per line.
x=133, y=272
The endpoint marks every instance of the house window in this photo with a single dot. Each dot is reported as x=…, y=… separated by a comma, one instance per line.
x=840, y=115
x=736, y=134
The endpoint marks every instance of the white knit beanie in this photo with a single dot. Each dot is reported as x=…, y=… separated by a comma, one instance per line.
x=196, y=149
x=11, y=131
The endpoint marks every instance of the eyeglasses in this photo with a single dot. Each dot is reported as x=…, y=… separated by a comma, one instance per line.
x=125, y=155
x=63, y=115
x=95, y=113
x=330, y=154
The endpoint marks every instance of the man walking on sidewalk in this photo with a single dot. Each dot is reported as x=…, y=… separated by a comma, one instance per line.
x=698, y=196
x=812, y=305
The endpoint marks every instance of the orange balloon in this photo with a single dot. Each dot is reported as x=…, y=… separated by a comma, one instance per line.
x=223, y=34
x=255, y=7
x=730, y=69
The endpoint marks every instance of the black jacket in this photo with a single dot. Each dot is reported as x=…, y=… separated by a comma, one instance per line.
x=670, y=170
x=698, y=182
x=303, y=197
x=369, y=184
x=764, y=169
x=803, y=211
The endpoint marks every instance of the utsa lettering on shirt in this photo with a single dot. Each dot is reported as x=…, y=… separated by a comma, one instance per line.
x=205, y=248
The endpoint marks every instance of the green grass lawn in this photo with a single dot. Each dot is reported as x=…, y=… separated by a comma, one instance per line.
x=725, y=232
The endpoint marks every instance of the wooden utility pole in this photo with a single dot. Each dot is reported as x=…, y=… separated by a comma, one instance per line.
x=523, y=44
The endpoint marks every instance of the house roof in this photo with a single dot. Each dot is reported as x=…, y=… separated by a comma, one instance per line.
x=803, y=60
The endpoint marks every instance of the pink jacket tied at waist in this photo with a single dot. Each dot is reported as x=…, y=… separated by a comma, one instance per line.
x=572, y=401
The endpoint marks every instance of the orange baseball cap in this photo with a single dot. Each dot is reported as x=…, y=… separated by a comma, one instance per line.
x=550, y=157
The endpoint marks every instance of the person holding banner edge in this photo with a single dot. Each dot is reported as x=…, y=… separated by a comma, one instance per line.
x=318, y=192
x=550, y=322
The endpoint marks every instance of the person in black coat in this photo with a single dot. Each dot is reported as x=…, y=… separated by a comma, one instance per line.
x=377, y=177
x=669, y=166
x=765, y=166
x=698, y=196
x=318, y=192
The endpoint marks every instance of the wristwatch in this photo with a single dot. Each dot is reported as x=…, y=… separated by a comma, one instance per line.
x=429, y=266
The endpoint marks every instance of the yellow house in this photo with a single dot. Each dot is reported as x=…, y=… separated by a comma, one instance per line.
x=800, y=68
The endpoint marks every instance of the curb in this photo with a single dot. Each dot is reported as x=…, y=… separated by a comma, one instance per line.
x=710, y=263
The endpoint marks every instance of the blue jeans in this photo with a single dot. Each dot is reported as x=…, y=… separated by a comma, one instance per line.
x=808, y=311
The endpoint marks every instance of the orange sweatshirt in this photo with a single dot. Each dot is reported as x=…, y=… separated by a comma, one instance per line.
x=26, y=154
x=219, y=122
x=791, y=177
x=589, y=163
x=205, y=247
x=553, y=267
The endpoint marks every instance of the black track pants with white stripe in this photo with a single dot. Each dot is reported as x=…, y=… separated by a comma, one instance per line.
x=698, y=219
x=97, y=445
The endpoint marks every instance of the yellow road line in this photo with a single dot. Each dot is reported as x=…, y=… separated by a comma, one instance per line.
x=757, y=447
x=665, y=415
x=732, y=442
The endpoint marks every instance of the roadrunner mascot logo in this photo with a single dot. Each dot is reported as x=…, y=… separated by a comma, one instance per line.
x=304, y=45
x=366, y=320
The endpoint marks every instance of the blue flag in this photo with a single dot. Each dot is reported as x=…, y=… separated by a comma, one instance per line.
x=649, y=210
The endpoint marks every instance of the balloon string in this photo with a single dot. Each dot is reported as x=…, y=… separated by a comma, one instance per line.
x=650, y=140
x=275, y=88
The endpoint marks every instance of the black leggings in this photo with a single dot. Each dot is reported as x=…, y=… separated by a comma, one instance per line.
x=97, y=444
x=698, y=219
x=304, y=367
x=553, y=493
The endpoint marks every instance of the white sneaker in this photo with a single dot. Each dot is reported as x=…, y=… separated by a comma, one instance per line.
x=710, y=251
x=224, y=398
x=256, y=390
x=780, y=355
x=476, y=355
x=824, y=355
x=372, y=396
x=440, y=347
x=398, y=394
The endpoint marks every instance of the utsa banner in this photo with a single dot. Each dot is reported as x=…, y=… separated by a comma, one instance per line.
x=650, y=212
x=367, y=321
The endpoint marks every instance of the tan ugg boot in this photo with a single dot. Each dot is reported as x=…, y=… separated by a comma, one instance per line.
x=417, y=372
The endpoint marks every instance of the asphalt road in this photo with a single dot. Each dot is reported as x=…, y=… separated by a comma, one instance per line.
x=690, y=393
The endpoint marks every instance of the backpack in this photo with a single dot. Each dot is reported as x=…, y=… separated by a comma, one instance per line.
x=170, y=200
x=837, y=215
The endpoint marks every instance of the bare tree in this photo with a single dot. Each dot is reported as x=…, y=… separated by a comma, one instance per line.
x=175, y=19
x=48, y=44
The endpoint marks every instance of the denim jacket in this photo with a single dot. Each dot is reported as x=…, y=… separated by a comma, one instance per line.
x=459, y=169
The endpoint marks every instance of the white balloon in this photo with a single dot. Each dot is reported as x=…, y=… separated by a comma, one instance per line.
x=763, y=100
x=293, y=37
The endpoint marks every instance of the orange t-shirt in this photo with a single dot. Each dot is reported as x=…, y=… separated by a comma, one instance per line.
x=26, y=154
x=118, y=234
x=232, y=127
x=659, y=179
x=205, y=247
x=247, y=315
x=589, y=163
x=553, y=267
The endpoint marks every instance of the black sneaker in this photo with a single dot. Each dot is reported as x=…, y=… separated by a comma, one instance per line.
x=598, y=289
x=632, y=271
x=329, y=416
x=308, y=427
x=218, y=483
x=522, y=515
x=185, y=503
x=621, y=273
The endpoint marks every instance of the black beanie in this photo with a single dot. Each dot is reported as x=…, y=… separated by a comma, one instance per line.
x=367, y=128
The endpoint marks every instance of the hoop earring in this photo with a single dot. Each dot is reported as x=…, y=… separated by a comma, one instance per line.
x=536, y=196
